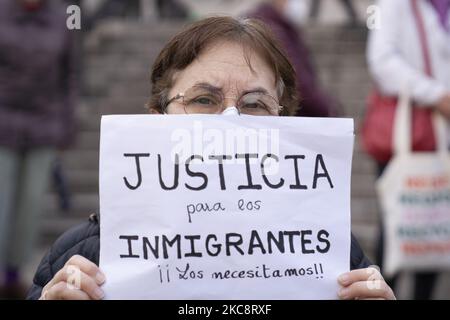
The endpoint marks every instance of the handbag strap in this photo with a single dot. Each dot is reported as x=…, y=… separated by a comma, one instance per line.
x=441, y=133
x=402, y=140
x=422, y=36
x=402, y=123
x=402, y=127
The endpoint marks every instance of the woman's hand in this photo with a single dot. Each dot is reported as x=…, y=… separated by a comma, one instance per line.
x=365, y=283
x=79, y=279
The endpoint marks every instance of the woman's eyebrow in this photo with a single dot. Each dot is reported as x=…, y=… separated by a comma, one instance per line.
x=256, y=90
x=206, y=85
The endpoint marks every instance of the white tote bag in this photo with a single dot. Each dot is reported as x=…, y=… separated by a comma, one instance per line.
x=414, y=193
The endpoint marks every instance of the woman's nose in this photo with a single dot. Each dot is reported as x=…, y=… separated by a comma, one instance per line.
x=229, y=106
x=231, y=111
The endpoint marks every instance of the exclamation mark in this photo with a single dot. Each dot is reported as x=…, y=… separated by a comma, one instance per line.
x=319, y=272
x=160, y=274
x=168, y=278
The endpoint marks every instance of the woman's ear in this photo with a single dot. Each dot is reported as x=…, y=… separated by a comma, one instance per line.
x=152, y=109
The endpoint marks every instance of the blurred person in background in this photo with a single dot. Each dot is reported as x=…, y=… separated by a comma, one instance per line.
x=348, y=6
x=37, y=97
x=395, y=57
x=285, y=17
x=165, y=9
x=171, y=9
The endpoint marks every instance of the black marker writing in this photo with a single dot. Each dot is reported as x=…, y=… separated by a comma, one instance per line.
x=138, y=169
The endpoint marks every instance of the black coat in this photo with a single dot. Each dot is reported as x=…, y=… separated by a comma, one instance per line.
x=84, y=240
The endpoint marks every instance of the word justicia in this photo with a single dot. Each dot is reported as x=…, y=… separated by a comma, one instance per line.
x=197, y=180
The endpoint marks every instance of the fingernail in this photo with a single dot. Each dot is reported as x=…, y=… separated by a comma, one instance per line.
x=343, y=293
x=99, y=294
x=343, y=278
x=100, y=278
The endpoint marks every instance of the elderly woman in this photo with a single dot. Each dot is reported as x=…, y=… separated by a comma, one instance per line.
x=218, y=66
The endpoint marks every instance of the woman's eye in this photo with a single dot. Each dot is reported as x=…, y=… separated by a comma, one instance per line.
x=204, y=100
x=254, y=106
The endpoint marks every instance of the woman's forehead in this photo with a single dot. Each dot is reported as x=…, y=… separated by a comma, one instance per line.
x=224, y=65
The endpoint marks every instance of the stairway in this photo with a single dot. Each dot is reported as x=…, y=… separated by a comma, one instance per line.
x=117, y=61
x=340, y=60
x=117, y=57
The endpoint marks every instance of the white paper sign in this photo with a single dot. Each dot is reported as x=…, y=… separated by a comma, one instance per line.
x=224, y=207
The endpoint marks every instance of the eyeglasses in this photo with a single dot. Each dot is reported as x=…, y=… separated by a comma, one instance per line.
x=204, y=100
